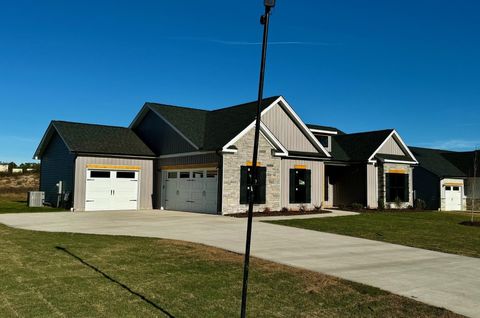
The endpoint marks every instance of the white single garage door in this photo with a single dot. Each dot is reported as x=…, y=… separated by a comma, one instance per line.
x=191, y=190
x=111, y=190
x=453, y=198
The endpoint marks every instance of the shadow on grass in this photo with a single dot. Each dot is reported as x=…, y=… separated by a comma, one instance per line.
x=113, y=280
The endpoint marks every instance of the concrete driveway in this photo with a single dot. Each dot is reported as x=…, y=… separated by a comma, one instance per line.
x=439, y=279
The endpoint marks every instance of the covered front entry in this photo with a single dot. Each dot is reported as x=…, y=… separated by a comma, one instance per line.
x=345, y=185
x=190, y=190
x=111, y=190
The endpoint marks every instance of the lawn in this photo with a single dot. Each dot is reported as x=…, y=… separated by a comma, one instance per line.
x=76, y=275
x=438, y=231
x=18, y=205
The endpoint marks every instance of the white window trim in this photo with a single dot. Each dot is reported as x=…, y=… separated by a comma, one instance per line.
x=405, y=147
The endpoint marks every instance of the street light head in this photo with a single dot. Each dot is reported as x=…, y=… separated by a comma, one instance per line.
x=269, y=3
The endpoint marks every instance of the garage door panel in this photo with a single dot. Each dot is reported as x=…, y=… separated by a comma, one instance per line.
x=191, y=191
x=111, y=190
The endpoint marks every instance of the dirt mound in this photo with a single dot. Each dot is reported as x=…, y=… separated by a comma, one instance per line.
x=18, y=184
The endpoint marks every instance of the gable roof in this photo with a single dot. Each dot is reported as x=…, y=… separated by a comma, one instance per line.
x=208, y=130
x=358, y=146
x=95, y=139
x=436, y=161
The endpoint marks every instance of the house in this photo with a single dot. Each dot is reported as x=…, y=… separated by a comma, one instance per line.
x=188, y=159
x=101, y=167
x=4, y=167
x=371, y=168
x=445, y=179
x=17, y=170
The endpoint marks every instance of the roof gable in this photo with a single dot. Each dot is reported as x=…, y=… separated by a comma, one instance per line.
x=95, y=139
x=358, y=146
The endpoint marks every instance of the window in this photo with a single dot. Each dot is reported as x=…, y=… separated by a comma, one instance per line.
x=172, y=175
x=448, y=188
x=456, y=189
x=99, y=174
x=184, y=175
x=212, y=173
x=300, y=186
x=324, y=140
x=126, y=175
x=246, y=183
x=397, y=187
x=197, y=174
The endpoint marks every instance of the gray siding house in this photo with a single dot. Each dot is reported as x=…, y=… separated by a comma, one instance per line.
x=445, y=180
x=187, y=159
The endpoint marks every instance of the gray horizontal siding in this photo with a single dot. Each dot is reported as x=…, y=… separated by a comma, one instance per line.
x=207, y=158
x=286, y=131
x=145, y=178
x=56, y=165
x=160, y=136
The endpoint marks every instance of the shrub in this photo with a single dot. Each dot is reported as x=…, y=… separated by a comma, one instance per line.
x=357, y=206
x=267, y=210
x=420, y=204
x=302, y=208
x=284, y=210
x=381, y=204
x=317, y=208
x=398, y=202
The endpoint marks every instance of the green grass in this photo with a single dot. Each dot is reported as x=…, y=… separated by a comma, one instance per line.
x=112, y=276
x=15, y=205
x=438, y=231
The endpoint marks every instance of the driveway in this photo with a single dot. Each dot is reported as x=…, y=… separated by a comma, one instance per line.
x=439, y=279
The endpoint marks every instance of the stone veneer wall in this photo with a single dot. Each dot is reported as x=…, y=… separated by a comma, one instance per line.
x=382, y=170
x=231, y=175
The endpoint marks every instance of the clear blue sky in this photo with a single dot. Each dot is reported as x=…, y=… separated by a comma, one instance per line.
x=357, y=65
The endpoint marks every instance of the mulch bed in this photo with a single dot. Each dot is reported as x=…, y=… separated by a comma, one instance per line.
x=278, y=213
x=470, y=223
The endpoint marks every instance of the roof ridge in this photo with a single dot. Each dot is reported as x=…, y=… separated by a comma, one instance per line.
x=243, y=104
x=88, y=124
x=176, y=106
x=366, y=132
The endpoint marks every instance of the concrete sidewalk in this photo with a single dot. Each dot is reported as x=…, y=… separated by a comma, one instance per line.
x=439, y=279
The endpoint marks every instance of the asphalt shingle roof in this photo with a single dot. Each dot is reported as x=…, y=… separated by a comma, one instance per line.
x=436, y=161
x=210, y=130
x=358, y=146
x=101, y=139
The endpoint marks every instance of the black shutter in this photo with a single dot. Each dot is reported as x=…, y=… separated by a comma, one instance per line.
x=387, y=187
x=260, y=195
x=407, y=190
x=308, y=186
x=243, y=185
x=292, y=186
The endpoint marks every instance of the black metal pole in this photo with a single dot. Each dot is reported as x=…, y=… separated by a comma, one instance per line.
x=264, y=20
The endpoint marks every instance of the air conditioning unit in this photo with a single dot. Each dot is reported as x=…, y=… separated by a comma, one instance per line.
x=36, y=198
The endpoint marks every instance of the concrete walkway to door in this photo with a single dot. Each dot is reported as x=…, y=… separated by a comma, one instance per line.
x=439, y=279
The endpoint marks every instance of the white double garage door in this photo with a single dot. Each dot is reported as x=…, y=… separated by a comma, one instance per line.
x=190, y=190
x=111, y=190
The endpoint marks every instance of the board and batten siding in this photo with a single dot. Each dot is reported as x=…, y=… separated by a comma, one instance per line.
x=372, y=186
x=286, y=130
x=145, y=190
x=56, y=165
x=391, y=147
x=160, y=136
x=318, y=181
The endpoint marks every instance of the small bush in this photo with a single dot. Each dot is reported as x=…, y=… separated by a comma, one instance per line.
x=267, y=210
x=381, y=204
x=302, y=208
x=284, y=210
x=420, y=204
x=398, y=202
x=317, y=208
x=357, y=206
